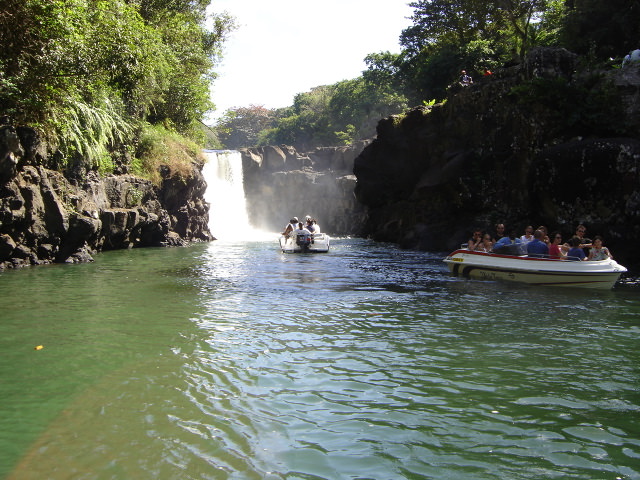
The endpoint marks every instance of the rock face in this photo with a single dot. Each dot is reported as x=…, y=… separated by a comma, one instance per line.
x=538, y=144
x=280, y=183
x=46, y=218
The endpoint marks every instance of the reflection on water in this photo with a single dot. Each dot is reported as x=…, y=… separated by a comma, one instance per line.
x=236, y=361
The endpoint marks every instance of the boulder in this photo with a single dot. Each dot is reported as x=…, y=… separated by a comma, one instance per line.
x=7, y=246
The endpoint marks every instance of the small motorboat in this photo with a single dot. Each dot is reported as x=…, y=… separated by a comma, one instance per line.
x=305, y=243
x=534, y=270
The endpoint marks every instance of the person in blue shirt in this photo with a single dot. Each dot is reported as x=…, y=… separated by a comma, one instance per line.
x=536, y=247
x=508, y=245
x=575, y=252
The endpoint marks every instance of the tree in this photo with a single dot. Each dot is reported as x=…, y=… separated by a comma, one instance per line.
x=241, y=126
x=454, y=22
x=357, y=105
x=89, y=72
x=605, y=29
x=523, y=20
x=450, y=35
x=506, y=24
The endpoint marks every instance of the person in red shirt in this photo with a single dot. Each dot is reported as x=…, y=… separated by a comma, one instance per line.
x=556, y=249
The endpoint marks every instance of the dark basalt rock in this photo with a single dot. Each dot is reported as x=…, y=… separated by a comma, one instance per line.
x=541, y=143
x=45, y=218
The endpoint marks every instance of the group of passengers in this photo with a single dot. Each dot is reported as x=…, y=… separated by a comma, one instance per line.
x=538, y=243
x=295, y=227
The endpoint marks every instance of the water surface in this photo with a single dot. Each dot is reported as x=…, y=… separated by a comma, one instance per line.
x=234, y=361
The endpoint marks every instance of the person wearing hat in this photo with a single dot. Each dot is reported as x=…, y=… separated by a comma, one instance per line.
x=293, y=223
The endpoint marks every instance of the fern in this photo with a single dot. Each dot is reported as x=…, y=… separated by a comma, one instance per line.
x=90, y=129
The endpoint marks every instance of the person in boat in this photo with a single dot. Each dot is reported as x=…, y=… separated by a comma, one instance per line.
x=475, y=240
x=313, y=223
x=585, y=243
x=556, y=249
x=545, y=239
x=486, y=245
x=509, y=245
x=576, y=252
x=310, y=225
x=598, y=251
x=288, y=230
x=499, y=232
x=528, y=235
x=537, y=247
x=302, y=235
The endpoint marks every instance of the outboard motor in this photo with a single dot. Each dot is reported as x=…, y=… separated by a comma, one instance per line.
x=303, y=240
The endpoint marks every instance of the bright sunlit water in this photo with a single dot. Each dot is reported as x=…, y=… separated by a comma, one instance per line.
x=235, y=361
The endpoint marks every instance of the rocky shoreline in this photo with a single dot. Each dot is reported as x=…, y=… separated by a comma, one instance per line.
x=48, y=218
x=542, y=143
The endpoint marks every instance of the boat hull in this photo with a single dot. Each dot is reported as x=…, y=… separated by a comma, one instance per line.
x=319, y=244
x=601, y=274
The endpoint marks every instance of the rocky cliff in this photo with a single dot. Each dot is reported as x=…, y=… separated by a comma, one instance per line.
x=542, y=143
x=280, y=182
x=46, y=217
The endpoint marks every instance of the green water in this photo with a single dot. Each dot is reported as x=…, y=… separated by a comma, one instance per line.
x=234, y=361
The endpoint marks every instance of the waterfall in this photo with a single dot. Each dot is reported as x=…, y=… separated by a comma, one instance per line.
x=228, y=219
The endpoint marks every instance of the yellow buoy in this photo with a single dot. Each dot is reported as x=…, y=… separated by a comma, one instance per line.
x=39, y=347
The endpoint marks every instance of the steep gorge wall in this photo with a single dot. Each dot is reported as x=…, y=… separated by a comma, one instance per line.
x=536, y=144
x=46, y=218
x=280, y=183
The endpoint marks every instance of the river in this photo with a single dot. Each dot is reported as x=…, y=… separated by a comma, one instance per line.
x=231, y=360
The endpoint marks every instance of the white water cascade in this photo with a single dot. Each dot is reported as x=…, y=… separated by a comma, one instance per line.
x=228, y=219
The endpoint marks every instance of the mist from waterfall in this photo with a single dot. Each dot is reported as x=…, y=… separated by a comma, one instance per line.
x=228, y=218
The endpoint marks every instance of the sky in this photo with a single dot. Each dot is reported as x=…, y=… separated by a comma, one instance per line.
x=285, y=47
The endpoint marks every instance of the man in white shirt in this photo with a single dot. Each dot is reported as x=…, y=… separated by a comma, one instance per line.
x=302, y=236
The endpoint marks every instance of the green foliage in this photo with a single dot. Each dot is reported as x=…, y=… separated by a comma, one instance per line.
x=348, y=136
x=86, y=72
x=241, y=127
x=164, y=152
x=450, y=35
x=604, y=28
x=326, y=115
x=134, y=196
x=575, y=109
x=89, y=130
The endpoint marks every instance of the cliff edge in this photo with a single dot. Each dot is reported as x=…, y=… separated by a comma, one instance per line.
x=541, y=143
x=46, y=217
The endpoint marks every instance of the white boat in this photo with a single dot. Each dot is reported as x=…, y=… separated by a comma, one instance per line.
x=534, y=270
x=313, y=243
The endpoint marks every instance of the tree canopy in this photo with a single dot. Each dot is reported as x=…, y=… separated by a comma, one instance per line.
x=87, y=72
x=445, y=37
x=92, y=73
x=327, y=115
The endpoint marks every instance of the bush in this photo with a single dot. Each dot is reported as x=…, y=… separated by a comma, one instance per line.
x=165, y=153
